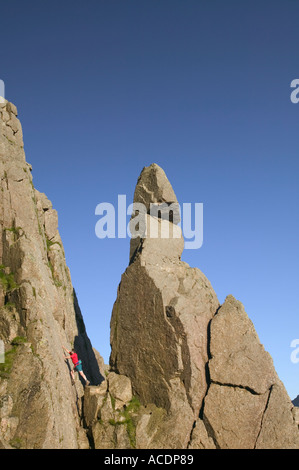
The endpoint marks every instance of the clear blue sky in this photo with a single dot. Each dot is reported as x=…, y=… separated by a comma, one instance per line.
x=201, y=87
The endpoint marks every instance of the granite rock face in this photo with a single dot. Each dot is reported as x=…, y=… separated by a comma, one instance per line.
x=39, y=311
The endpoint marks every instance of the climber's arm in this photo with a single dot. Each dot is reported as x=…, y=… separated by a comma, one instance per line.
x=66, y=357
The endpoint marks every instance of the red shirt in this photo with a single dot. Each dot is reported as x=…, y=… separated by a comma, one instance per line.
x=74, y=358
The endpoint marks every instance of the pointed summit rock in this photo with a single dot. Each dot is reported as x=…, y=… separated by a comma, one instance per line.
x=159, y=207
x=153, y=187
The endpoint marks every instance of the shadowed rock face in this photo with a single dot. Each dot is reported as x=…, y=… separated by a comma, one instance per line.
x=38, y=310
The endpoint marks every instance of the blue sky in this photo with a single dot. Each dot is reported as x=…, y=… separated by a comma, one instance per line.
x=200, y=87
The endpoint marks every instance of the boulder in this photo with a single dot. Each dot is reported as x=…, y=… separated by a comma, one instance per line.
x=120, y=389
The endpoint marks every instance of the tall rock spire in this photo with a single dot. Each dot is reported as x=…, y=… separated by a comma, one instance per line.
x=201, y=364
x=160, y=318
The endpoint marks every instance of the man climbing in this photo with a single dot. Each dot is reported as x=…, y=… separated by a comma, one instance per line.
x=77, y=365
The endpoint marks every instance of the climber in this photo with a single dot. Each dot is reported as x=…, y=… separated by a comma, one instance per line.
x=77, y=365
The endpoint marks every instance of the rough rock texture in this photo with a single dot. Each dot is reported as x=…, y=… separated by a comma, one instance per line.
x=154, y=189
x=39, y=311
x=110, y=412
x=198, y=368
x=184, y=372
